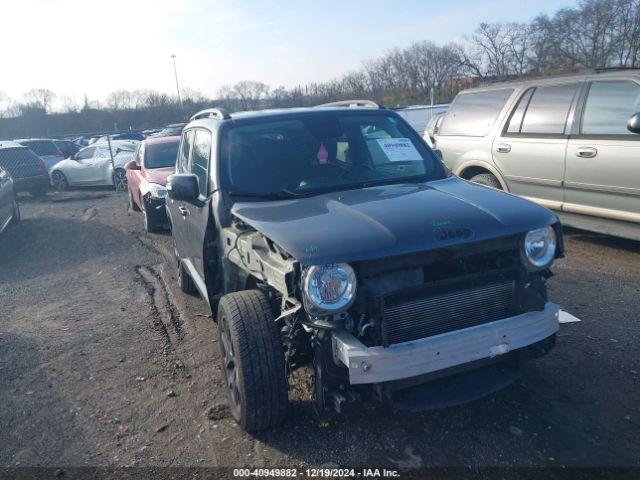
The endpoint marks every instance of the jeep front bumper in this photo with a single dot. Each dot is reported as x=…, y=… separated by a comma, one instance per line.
x=439, y=352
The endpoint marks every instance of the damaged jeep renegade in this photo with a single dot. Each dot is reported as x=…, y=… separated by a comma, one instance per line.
x=334, y=237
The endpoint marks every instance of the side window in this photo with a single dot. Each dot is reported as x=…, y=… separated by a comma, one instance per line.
x=86, y=153
x=200, y=158
x=515, y=122
x=609, y=106
x=548, y=109
x=185, y=148
x=473, y=114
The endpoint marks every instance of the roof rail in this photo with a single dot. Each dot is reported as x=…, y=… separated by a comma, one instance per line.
x=219, y=113
x=353, y=104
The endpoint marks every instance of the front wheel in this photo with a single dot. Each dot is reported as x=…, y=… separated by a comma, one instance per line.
x=149, y=225
x=59, y=181
x=120, y=179
x=132, y=203
x=253, y=360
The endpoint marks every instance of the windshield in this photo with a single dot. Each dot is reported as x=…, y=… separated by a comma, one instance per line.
x=323, y=153
x=159, y=155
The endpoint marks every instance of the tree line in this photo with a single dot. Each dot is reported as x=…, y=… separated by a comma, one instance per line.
x=595, y=34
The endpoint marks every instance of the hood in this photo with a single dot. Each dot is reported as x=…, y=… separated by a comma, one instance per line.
x=385, y=221
x=159, y=175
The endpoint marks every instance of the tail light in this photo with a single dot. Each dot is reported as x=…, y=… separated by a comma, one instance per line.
x=59, y=154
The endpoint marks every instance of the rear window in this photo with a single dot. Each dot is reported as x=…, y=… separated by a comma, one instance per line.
x=159, y=155
x=473, y=114
x=42, y=147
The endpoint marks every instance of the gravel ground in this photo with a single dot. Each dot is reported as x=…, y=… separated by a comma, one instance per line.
x=103, y=361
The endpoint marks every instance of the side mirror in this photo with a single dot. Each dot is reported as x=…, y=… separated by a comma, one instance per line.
x=132, y=165
x=633, y=125
x=74, y=156
x=438, y=153
x=183, y=186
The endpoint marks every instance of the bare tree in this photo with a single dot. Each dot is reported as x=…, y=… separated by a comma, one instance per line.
x=39, y=98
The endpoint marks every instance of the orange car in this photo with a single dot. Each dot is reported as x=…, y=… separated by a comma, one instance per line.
x=154, y=161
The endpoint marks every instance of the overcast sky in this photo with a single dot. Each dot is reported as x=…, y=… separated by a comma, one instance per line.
x=75, y=47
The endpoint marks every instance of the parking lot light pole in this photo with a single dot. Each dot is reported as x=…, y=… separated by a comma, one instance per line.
x=175, y=71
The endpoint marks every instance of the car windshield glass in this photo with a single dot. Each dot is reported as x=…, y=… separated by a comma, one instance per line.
x=324, y=152
x=42, y=147
x=158, y=155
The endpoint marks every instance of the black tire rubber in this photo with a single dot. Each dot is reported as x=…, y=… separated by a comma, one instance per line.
x=16, y=214
x=185, y=280
x=132, y=204
x=487, y=179
x=255, y=340
x=149, y=226
x=62, y=185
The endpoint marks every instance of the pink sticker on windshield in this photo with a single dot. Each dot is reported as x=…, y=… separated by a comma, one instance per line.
x=323, y=155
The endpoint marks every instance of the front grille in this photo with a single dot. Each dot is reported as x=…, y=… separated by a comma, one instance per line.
x=21, y=162
x=414, y=315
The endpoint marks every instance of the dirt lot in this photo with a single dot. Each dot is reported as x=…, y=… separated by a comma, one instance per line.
x=103, y=361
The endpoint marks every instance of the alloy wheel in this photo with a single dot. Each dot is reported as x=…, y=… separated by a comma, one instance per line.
x=59, y=181
x=120, y=179
x=232, y=373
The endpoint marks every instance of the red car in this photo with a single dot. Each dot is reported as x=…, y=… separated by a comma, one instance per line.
x=154, y=161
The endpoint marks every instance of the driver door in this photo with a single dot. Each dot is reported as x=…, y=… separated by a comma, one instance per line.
x=177, y=209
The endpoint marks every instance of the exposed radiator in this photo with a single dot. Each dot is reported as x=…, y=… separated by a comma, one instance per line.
x=425, y=316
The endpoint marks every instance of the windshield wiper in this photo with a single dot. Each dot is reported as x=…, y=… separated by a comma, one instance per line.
x=282, y=195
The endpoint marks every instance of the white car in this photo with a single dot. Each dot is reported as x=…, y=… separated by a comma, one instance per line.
x=92, y=166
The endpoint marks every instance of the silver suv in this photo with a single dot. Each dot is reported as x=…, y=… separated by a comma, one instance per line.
x=568, y=143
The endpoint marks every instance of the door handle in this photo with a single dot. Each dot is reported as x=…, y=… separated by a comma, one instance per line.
x=183, y=211
x=503, y=148
x=586, y=152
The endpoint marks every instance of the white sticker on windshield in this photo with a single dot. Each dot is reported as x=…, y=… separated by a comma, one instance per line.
x=399, y=150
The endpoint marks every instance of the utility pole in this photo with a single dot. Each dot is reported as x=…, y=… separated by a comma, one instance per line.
x=175, y=71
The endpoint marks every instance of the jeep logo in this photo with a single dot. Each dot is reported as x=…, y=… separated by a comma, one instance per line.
x=451, y=233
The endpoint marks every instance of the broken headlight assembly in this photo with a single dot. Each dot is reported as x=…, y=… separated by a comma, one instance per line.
x=328, y=289
x=155, y=190
x=539, y=248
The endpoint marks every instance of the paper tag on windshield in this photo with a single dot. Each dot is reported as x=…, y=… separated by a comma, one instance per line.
x=399, y=150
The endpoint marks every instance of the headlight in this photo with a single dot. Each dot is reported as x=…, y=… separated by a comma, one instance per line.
x=539, y=248
x=328, y=289
x=156, y=191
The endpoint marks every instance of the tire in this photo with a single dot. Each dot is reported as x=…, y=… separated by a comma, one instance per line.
x=59, y=181
x=120, y=179
x=487, y=179
x=185, y=280
x=16, y=214
x=132, y=204
x=253, y=360
x=149, y=226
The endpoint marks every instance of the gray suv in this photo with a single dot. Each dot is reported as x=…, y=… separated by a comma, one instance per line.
x=333, y=236
x=568, y=143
